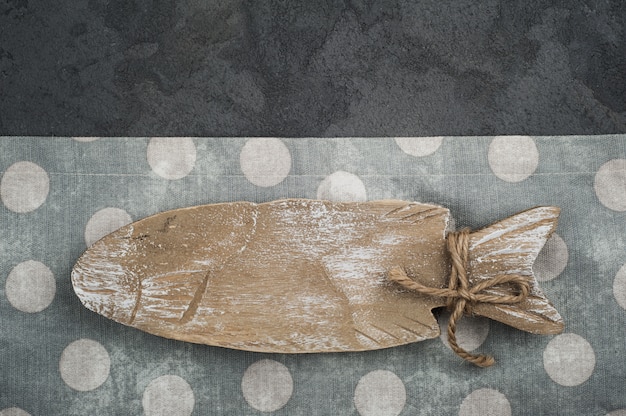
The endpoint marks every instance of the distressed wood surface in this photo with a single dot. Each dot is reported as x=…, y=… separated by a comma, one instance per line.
x=297, y=276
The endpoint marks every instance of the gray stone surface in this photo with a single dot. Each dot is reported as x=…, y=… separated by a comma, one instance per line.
x=302, y=68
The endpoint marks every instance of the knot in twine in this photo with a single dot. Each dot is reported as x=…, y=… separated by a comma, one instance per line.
x=460, y=297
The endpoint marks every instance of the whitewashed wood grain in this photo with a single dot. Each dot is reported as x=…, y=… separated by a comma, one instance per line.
x=300, y=275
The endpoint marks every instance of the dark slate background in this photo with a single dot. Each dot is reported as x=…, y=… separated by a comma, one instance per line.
x=312, y=68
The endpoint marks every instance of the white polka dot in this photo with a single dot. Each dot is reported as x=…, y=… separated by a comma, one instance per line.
x=513, y=158
x=569, y=359
x=104, y=222
x=380, y=393
x=267, y=385
x=13, y=411
x=551, y=260
x=30, y=287
x=265, y=161
x=619, y=412
x=619, y=287
x=610, y=184
x=168, y=395
x=419, y=146
x=84, y=365
x=485, y=402
x=171, y=157
x=342, y=187
x=471, y=331
x=24, y=187
x=85, y=139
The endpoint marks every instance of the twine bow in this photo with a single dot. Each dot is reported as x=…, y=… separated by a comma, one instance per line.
x=460, y=297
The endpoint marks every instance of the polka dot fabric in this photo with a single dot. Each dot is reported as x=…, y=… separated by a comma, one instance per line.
x=60, y=195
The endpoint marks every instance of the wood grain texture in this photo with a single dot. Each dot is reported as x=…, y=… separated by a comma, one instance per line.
x=511, y=246
x=295, y=276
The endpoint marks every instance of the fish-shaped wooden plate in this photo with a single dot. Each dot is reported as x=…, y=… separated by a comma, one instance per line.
x=301, y=276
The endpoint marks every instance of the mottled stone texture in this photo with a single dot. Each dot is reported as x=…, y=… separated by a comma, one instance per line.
x=312, y=68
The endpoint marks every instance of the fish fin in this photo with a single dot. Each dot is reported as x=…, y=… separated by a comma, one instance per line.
x=376, y=329
x=510, y=247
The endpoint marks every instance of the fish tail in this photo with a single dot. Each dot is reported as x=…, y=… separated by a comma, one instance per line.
x=505, y=251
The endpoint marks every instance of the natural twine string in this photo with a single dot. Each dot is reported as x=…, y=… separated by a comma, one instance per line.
x=460, y=297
